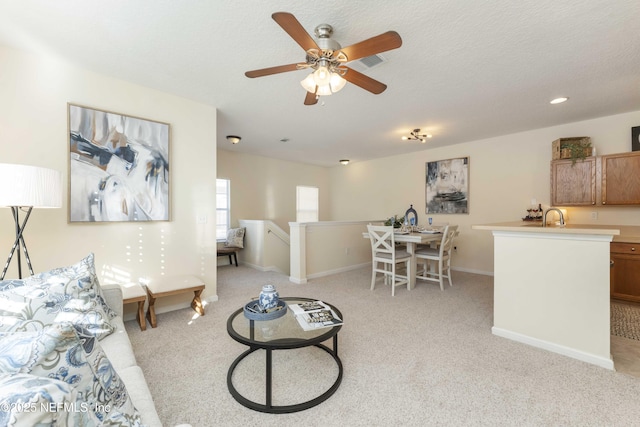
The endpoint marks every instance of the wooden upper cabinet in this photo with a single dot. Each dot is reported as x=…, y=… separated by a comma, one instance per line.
x=573, y=184
x=621, y=179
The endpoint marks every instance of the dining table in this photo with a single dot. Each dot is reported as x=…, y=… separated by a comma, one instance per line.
x=413, y=239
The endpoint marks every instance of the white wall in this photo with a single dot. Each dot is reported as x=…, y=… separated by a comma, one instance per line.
x=34, y=92
x=265, y=188
x=558, y=299
x=505, y=174
x=328, y=247
x=266, y=246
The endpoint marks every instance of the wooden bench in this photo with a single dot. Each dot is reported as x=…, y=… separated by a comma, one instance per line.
x=165, y=286
x=134, y=292
x=231, y=252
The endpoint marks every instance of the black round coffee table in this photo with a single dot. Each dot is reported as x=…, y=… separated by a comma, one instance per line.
x=287, y=335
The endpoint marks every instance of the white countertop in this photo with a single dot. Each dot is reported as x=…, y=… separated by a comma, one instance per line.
x=536, y=227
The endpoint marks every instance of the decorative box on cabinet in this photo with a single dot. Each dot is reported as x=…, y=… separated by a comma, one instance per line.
x=566, y=148
x=625, y=271
x=621, y=179
x=573, y=183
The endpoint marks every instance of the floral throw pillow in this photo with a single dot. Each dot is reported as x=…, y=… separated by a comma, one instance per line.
x=71, y=294
x=11, y=284
x=40, y=401
x=78, y=361
x=82, y=276
x=235, y=238
x=21, y=351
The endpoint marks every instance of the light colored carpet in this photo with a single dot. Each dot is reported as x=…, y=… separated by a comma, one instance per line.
x=423, y=357
x=625, y=321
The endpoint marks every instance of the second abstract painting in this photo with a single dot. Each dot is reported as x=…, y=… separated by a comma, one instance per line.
x=447, y=186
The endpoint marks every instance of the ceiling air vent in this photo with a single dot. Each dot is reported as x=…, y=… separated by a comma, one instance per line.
x=372, y=61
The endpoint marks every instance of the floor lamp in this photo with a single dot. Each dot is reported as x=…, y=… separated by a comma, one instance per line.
x=23, y=188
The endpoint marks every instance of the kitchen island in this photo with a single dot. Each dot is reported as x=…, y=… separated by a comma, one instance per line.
x=551, y=287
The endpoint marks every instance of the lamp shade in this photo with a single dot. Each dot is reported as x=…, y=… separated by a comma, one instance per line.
x=337, y=82
x=23, y=185
x=309, y=84
x=322, y=76
x=324, y=90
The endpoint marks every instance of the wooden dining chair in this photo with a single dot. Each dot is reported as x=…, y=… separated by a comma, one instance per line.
x=441, y=255
x=385, y=257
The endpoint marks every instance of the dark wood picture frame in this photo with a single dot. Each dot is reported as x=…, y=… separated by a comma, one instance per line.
x=635, y=138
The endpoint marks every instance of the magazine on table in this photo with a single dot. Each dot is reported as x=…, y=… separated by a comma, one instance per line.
x=314, y=315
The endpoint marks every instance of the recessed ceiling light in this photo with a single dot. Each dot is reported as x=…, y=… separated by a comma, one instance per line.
x=558, y=100
x=344, y=161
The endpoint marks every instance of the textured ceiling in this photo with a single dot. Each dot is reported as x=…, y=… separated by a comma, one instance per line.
x=467, y=70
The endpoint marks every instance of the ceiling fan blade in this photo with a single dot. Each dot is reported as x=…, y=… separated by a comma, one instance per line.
x=311, y=98
x=365, y=82
x=290, y=24
x=271, y=70
x=382, y=43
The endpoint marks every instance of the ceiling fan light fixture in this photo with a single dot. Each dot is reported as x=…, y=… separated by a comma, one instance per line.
x=233, y=139
x=333, y=85
x=337, y=82
x=322, y=76
x=326, y=58
x=309, y=84
x=324, y=90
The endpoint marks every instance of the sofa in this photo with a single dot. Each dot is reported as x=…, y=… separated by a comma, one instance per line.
x=65, y=356
x=120, y=352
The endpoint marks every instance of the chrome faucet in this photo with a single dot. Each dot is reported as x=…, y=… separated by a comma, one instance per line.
x=544, y=219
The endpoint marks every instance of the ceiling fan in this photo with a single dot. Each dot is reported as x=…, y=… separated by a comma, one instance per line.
x=327, y=59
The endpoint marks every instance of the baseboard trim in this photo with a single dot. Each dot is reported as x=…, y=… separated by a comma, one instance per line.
x=297, y=281
x=261, y=268
x=345, y=269
x=337, y=270
x=474, y=271
x=555, y=348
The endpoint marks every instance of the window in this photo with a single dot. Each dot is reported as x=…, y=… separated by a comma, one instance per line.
x=223, y=214
x=306, y=204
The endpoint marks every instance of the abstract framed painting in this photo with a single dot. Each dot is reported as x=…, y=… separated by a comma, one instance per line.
x=447, y=186
x=118, y=167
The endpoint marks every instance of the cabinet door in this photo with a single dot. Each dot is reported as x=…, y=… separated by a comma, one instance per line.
x=621, y=179
x=625, y=271
x=573, y=184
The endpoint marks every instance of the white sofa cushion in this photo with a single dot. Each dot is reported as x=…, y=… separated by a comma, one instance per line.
x=140, y=395
x=117, y=346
